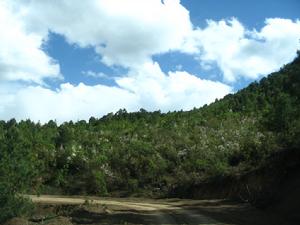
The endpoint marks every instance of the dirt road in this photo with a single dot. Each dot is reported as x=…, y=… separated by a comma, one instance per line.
x=167, y=211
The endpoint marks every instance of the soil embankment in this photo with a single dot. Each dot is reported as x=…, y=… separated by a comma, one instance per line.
x=273, y=186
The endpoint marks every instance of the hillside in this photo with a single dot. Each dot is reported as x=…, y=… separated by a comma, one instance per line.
x=154, y=154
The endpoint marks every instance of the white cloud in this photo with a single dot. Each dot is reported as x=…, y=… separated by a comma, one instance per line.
x=179, y=67
x=123, y=32
x=126, y=33
x=21, y=57
x=145, y=87
x=67, y=103
x=173, y=91
x=93, y=74
x=239, y=52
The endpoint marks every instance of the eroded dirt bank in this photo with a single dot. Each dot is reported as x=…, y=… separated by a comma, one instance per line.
x=273, y=186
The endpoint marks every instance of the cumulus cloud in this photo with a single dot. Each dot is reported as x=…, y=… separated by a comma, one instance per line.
x=145, y=87
x=66, y=103
x=240, y=52
x=128, y=34
x=123, y=32
x=93, y=74
x=21, y=56
x=172, y=91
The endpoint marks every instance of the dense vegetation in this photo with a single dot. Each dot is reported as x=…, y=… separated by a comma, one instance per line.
x=150, y=153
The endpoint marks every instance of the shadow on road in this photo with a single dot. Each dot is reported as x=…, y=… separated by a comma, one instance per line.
x=132, y=217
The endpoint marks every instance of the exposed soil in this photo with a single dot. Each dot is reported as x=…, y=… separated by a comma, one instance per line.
x=56, y=210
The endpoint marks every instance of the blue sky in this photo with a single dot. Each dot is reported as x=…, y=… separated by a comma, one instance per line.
x=250, y=13
x=70, y=60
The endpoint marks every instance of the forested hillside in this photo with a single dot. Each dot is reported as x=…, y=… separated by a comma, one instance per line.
x=151, y=153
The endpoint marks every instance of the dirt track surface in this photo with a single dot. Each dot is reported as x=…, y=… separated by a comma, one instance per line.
x=167, y=211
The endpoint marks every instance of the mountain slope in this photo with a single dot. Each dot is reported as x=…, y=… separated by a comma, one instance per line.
x=150, y=153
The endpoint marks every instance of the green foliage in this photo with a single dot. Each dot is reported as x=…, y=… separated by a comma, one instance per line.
x=17, y=170
x=100, y=184
x=13, y=205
